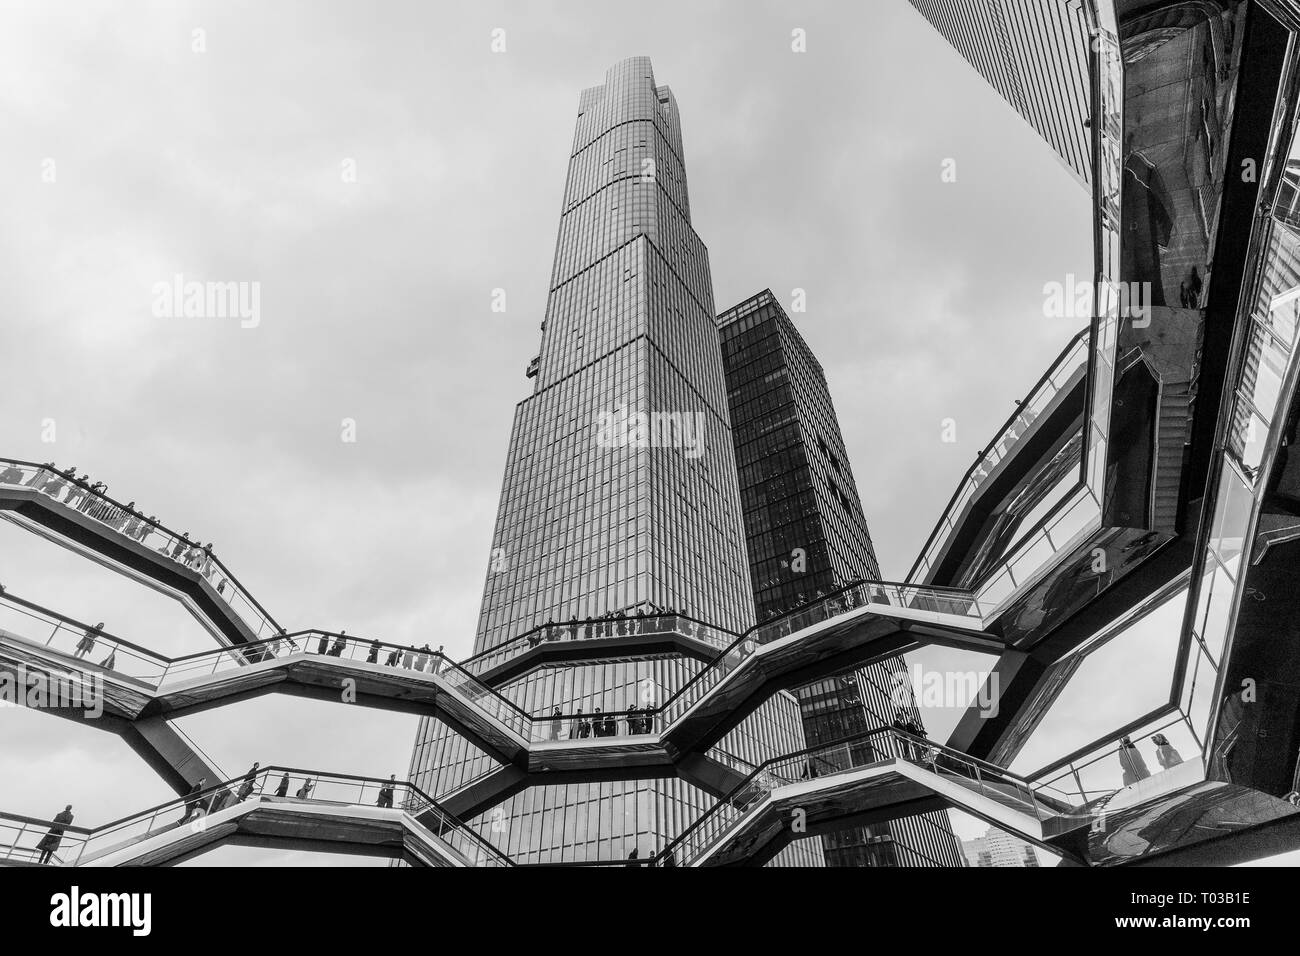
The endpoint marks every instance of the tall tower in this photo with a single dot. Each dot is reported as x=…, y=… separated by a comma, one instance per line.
x=1035, y=53
x=806, y=533
x=620, y=485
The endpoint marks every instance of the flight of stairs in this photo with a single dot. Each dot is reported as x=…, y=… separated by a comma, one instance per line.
x=1171, y=435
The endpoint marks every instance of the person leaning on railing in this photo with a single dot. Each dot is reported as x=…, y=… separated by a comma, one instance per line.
x=387, y=792
x=54, y=836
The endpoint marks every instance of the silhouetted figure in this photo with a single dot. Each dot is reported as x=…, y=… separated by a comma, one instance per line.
x=1165, y=752
x=340, y=642
x=282, y=789
x=324, y=646
x=87, y=642
x=386, y=792
x=1131, y=763
x=146, y=528
x=597, y=723
x=54, y=835
x=305, y=790
x=631, y=857
x=192, y=799
x=555, y=724
x=373, y=656
x=393, y=656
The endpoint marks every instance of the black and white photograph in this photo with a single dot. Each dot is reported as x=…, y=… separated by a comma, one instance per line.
x=574, y=435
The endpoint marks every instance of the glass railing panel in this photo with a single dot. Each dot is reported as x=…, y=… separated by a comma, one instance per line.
x=21, y=840
x=1001, y=447
x=631, y=626
x=997, y=589
x=1268, y=360
x=96, y=651
x=293, y=786
x=597, y=725
x=145, y=531
x=1113, y=766
x=1231, y=519
x=215, y=661
x=1214, y=607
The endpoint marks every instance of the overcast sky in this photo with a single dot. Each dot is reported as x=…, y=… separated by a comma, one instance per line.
x=818, y=170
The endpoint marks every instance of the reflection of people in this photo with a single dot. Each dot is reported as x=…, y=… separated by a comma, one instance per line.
x=1131, y=763
x=1165, y=752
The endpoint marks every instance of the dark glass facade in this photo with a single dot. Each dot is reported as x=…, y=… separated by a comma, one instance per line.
x=807, y=535
x=603, y=510
x=1035, y=54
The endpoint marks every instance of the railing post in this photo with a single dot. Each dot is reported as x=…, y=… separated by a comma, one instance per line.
x=17, y=839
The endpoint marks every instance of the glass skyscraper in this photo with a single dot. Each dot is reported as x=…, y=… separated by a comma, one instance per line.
x=807, y=535
x=1035, y=53
x=620, y=488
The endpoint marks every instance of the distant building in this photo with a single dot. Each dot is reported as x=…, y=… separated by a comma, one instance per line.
x=589, y=525
x=996, y=848
x=806, y=534
x=1035, y=53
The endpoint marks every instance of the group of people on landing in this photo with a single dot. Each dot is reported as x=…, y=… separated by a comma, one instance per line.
x=333, y=645
x=92, y=501
x=611, y=624
x=639, y=721
x=197, y=802
x=845, y=593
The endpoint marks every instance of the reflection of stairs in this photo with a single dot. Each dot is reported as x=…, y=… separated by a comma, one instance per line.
x=1171, y=436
